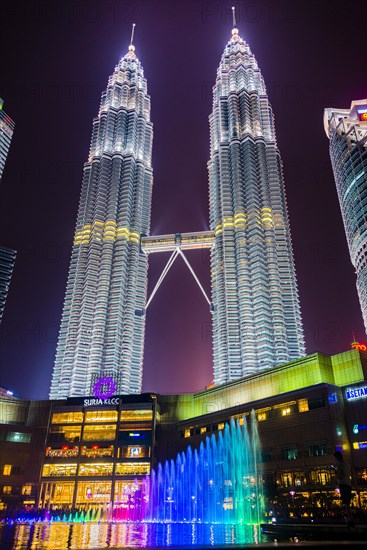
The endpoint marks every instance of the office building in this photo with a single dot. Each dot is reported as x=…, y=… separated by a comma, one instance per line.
x=102, y=326
x=347, y=132
x=7, y=260
x=256, y=313
x=6, y=134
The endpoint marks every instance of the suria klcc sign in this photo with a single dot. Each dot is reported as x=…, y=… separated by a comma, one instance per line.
x=109, y=401
x=356, y=393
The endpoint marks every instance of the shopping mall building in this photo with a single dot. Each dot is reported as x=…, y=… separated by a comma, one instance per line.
x=83, y=452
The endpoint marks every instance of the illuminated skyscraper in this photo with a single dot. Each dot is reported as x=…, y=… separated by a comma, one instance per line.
x=6, y=134
x=7, y=256
x=347, y=132
x=256, y=312
x=7, y=260
x=102, y=327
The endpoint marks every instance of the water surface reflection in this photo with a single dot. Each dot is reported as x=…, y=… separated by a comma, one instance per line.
x=78, y=536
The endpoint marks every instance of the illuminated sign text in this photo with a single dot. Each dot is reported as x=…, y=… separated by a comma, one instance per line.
x=356, y=393
x=109, y=401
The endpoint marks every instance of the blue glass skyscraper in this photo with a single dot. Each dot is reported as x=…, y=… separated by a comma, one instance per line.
x=347, y=132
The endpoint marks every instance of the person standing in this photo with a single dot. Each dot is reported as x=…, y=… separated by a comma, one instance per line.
x=344, y=476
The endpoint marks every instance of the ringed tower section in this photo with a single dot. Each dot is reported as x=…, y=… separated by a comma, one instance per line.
x=102, y=326
x=256, y=312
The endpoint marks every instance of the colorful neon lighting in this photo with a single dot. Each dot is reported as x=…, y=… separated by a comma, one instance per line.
x=217, y=483
x=357, y=345
x=104, y=388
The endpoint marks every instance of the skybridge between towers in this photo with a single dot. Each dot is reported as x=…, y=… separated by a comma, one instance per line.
x=176, y=243
x=169, y=243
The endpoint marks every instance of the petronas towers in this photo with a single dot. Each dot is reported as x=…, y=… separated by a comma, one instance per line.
x=256, y=319
x=255, y=307
x=102, y=327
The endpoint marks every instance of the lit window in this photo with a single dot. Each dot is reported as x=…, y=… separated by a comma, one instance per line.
x=64, y=452
x=187, y=432
x=7, y=470
x=261, y=416
x=95, y=451
x=60, y=493
x=99, y=432
x=289, y=454
x=27, y=490
x=7, y=489
x=65, y=433
x=93, y=469
x=319, y=449
x=303, y=405
x=286, y=412
x=287, y=479
x=58, y=470
x=320, y=477
x=203, y=430
x=94, y=492
x=101, y=416
x=221, y=426
x=18, y=437
x=136, y=415
x=299, y=479
x=134, y=451
x=67, y=417
x=132, y=468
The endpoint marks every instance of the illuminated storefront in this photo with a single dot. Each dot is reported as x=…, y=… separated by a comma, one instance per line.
x=103, y=445
x=95, y=453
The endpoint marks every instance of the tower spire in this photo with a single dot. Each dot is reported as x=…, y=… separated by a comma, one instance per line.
x=131, y=46
x=234, y=17
x=132, y=34
x=234, y=27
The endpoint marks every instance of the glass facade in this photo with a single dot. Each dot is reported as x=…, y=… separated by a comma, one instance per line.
x=347, y=132
x=97, y=450
x=7, y=261
x=102, y=328
x=6, y=133
x=256, y=313
x=7, y=256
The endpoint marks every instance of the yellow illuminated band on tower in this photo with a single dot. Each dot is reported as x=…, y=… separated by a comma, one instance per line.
x=107, y=231
x=238, y=221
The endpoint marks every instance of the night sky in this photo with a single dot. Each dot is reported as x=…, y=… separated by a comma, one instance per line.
x=56, y=57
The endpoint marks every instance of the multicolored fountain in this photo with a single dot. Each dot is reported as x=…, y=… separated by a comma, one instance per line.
x=218, y=483
x=215, y=484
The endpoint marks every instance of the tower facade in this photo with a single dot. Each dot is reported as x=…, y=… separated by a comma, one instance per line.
x=102, y=326
x=7, y=256
x=7, y=260
x=6, y=133
x=347, y=132
x=256, y=313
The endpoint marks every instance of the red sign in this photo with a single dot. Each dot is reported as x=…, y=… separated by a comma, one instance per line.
x=357, y=345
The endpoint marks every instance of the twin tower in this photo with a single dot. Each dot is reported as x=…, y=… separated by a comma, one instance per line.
x=255, y=306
